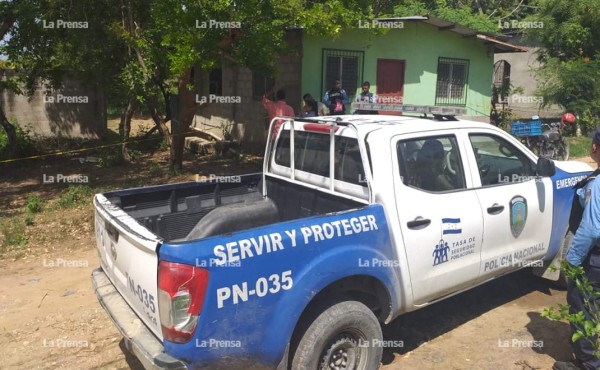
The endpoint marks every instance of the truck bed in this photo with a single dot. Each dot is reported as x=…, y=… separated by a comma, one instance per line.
x=176, y=212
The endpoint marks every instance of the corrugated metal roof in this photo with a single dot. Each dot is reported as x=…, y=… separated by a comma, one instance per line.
x=497, y=40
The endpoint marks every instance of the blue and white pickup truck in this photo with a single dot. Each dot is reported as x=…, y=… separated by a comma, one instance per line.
x=353, y=221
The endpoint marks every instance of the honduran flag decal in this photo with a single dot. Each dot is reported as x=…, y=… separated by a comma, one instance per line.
x=451, y=226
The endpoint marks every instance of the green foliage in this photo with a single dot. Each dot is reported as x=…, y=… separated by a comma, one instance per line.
x=575, y=85
x=144, y=50
x=34, y=204
x=586, y=329
x=16, y=238
x=135, y=155
x=28, y=220
x=110, y=157
x=571, y=28
x=579, y=146
x=482, y=15
x=570, y=75
x=74, y=196
x=154, y=169
x=25, y=142
x=14, y=233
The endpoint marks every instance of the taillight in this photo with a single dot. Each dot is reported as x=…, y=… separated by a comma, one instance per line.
x=181, y=291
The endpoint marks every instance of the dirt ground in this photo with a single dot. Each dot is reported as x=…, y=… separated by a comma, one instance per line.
x=50, y=318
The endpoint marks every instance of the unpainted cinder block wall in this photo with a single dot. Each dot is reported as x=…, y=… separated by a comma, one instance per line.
x=74, y=111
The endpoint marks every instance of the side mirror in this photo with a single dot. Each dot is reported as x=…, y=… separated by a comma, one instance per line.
x=545, y=167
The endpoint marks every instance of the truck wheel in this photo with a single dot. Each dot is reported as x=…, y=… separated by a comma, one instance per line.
x=344, y=336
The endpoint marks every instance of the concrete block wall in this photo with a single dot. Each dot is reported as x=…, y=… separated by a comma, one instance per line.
x=74, y=111
x=245, y=121
x=522, y=74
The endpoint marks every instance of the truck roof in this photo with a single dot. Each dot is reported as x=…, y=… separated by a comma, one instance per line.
x=389, y=125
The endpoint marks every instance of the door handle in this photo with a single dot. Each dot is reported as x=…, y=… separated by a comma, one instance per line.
x=495, y=209
x=418, y=223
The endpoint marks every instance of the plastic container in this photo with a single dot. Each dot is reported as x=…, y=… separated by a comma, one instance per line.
x=533, y=128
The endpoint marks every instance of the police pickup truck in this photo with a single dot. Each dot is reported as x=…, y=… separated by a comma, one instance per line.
x=353, y=221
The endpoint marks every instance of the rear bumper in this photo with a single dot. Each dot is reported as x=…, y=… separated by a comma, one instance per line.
x=138, y=338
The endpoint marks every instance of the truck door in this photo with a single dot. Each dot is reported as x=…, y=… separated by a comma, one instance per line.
x=440, y=215
x=517, y=205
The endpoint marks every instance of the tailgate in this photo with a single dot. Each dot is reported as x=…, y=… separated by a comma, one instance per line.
x=128, y=256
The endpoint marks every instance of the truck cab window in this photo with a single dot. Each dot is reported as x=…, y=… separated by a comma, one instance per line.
x=500, y=162
x=431, y=164
x=311, y=152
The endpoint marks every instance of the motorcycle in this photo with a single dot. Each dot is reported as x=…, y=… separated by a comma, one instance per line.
x=551, y=143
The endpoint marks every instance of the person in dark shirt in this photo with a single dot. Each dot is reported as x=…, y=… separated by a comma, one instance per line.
x=366, y=97
x=336, y=99
x=311, y=107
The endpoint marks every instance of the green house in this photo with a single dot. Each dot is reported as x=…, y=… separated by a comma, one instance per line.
x=419, y=60
x=412, y=60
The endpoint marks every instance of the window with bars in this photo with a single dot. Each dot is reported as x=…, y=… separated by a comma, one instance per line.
x=501, y=84
x=452, y=78
x=343, y=65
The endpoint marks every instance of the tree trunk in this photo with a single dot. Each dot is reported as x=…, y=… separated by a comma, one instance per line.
x=158, y=119
x=11, y=132
x=125, y=127
x=184, y=118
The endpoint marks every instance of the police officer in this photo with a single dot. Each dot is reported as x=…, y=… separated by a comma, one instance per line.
x=585, y=252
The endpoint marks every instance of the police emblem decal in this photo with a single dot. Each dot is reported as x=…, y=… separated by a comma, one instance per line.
x=518, y=215
x=440, y=253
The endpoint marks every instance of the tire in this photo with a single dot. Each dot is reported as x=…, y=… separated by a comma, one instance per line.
x=563, y=150
x=340, y=338
x=546, y=150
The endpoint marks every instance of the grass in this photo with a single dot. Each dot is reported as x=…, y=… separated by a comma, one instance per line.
x=74, y=196
x=13, y=233
x=34, y=204
x=58, y=217
x=579, y=146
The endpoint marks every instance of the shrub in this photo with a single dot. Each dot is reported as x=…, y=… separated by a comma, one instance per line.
x=75, y=195
x=34, y=204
